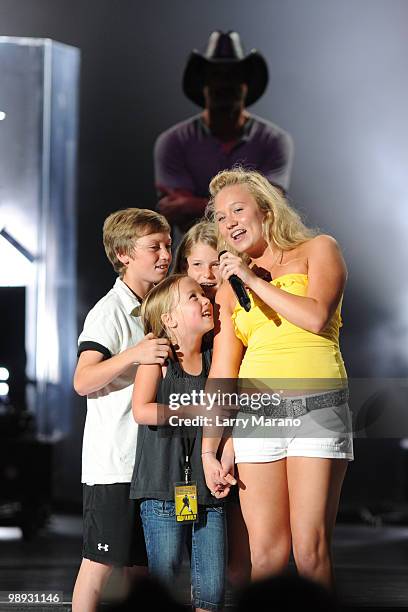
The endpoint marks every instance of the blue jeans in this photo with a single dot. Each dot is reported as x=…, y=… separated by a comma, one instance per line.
x=165, y=541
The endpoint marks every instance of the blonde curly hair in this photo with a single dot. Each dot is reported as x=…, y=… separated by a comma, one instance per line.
x=282, y=225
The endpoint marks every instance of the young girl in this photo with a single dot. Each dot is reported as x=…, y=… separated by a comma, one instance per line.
x=167, y=454
x=197, y=256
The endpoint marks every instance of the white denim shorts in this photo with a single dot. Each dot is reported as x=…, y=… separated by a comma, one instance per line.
x=325, y=432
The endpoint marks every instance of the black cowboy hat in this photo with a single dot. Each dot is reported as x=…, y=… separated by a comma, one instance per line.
x=225, y=48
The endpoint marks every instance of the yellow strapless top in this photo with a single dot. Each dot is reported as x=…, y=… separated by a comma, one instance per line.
x=277, y=348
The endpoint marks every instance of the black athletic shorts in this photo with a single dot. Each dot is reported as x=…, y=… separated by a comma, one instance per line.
x=112, y=530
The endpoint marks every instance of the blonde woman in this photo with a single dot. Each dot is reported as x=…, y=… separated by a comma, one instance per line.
x=289, y=484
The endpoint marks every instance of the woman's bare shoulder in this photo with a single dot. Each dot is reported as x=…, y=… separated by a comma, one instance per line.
x=321, y=242
x=324, y=254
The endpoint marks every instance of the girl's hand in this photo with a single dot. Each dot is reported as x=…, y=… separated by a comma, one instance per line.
x=217, y=480
x=231, y=264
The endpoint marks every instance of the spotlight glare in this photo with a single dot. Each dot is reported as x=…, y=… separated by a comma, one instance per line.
x=2, y=115
x=4, y=389
x=4, y=374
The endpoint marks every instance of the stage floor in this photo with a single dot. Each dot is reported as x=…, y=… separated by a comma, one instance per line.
x=371, y=564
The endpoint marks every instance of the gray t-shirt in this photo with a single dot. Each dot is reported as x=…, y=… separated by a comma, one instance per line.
x=187, y=155
x=160, y=451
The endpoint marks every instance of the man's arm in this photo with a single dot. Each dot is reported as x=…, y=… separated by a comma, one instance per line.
x=175, y=185
x=179, y=205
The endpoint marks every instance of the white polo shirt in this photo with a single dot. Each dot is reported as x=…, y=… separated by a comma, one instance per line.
x=110, y=434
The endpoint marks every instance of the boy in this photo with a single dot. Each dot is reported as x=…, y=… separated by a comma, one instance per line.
x=137, y=243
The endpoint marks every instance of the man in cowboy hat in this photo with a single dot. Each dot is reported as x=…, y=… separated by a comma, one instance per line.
x=223, y=81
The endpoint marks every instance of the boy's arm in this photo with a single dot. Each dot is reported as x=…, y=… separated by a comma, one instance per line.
x=93, y=371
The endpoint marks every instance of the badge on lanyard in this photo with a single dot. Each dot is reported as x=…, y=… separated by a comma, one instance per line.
x=186, y=502
x=185, y=494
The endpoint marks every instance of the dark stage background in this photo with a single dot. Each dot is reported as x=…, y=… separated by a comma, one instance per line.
x=337, y=84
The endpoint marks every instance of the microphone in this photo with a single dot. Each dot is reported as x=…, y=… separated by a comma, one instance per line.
x=239, y=289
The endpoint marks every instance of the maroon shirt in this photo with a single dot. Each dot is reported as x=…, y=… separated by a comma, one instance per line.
x=187, y=155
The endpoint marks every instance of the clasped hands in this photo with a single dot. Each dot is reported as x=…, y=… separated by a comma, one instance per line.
x=218, y=474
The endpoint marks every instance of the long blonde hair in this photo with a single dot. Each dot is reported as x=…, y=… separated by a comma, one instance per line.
x=160, y=300
x=282, y=225
x=203, y=232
